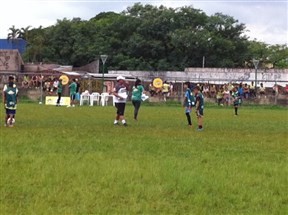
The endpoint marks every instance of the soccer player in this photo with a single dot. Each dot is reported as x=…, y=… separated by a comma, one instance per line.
x=10, y=93
x=188, y=102
x=120, y=97
x=72, y=89
x=235, y=96
x=137, y=91
x=199, y=107
x=59, y=92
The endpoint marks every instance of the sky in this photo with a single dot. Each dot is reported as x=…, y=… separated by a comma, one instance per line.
x=265, y=20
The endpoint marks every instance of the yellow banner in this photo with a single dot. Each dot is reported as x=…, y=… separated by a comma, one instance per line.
x=52, y=100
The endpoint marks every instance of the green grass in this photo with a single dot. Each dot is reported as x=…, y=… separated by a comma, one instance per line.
x=74, y=161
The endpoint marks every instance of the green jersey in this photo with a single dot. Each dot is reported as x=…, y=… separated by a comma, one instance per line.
x=137, y=92
x=59, y=87
x=10, y=97
x=73, y=87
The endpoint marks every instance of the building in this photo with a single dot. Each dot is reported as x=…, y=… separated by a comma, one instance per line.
x=10, y=61
x=19, y=44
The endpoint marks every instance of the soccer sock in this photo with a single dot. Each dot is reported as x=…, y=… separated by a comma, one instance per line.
x=236, y=111
x=115, y=121
x=200, y=126
x=188, y=118
x=123, y=121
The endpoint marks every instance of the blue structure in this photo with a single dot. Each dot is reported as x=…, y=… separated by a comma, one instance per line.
x=19, y=44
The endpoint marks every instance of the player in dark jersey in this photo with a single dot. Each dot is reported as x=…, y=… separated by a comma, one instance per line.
x=10, y=93
x=188, y=102
x=235, y=96
x=199, y=107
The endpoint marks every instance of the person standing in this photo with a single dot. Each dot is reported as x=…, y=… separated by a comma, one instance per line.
x=77, y=89
x=137, y=91
x=235, y=96
x=120, y=98
x=59, y=91
x=188, y=102
x=10, y=93
x=165, y=90
x=199, y=107
x=72, y=89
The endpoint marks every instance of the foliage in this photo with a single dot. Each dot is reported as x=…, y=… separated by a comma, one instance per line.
x=146, y=37
x=59, y=160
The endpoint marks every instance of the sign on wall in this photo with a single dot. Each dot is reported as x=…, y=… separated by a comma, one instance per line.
x=52, y=100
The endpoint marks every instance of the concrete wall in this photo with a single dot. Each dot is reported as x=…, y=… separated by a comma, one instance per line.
x=10, y=61
x=214, y=75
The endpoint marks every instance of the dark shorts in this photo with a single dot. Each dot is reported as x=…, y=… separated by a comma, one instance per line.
x=72, y=97
x=120, y=108
x=200, y=112
x=10, y=112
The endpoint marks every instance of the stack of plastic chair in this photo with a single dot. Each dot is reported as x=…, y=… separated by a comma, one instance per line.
x=94, y=97
x=84, y=97
x=104, y=99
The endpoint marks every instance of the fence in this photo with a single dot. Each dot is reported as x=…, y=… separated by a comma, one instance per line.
x=34, y=87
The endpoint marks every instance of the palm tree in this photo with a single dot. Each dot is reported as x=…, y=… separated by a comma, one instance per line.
x=14, y=34
x=24, y=33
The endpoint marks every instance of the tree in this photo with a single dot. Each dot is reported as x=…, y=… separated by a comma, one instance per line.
x=14, y=33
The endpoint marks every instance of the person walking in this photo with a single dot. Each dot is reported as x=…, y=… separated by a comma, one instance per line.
x=10, y=94
x=188, y=102
x=137, y=91
x=59, y=92
x=120, y=98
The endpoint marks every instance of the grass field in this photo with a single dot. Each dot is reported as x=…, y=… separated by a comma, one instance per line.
x=59, y=160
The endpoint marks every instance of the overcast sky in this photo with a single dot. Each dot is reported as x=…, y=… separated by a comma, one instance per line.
x=265, y=20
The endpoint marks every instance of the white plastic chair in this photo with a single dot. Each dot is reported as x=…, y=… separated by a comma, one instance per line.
x=84, y=97
x=104, y=99
x=94, y=97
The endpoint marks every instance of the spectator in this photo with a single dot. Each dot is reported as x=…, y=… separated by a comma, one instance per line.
x=152, y=90
x=226, y=96
x=246, y=91
x=165, y=90
x=206, y=90
x=262, y=90
x=275, y=90
x=252, y=89
x=213, y=91
x=219, y=96
x=26, y=81
x=171, y=89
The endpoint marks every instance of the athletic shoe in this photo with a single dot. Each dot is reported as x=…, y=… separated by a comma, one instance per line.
x=116, y=123
x=125, y=124
x=200, y=129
